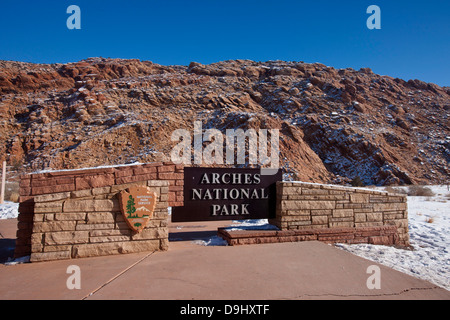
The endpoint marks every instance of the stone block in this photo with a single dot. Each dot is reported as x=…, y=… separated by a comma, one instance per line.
x=25, y=181
x=100, y=191
x=110, y=232
x=307, y=204
x=66, y=237
x=158, y=183
x=51, y=226
x=306, y=191
x=100, y=217
x=25, y=191
x=123, y=172
x=297, y=212
x=389, y=206
x=37, y=241
x=360, y=217
x=38, y=217
x=63, y=247
x=374, y=216
x=81, y=193
x=49, y=216
x=52, y=197
x=106, y=205
x=49, y=256
x=107, y=239
x=321, y=212
x=319, y=219
x=292, y=190
x=400, y=223
x=78, y=216
x=368, y=224
x=359, y=198
x=170, y=176
x=120, y=187
x=94, y=181
x=101, y=249
x=48, y=207
x=341, y=224
x=91, y=205
x=296, y=218
x=166, y=168
x=145, y=170
x=339, y=213
x=381, y=240
x=151, y=233
x=98, y=226
x=299, y=223
x=78, y=206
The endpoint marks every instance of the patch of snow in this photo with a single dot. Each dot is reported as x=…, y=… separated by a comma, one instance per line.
x=337, y=186
x=213, y=241
x=9, y=210
x=90, y=168
x=258, y=224
x=12, y=262
x=429, y=231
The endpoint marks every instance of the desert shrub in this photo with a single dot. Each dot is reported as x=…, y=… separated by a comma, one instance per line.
x=357, y=182
x=393, y=190
x=14, y=197
x=430, y=220
x=420, y=191
x=11, y=191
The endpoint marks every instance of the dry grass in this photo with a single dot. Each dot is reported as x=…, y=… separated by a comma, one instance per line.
x=394, y=190
x=12, y=191
x=420, y=191
x=430, y=220
x=14, y=197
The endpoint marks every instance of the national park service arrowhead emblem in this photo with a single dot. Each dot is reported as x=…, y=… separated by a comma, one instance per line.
x=137, y=205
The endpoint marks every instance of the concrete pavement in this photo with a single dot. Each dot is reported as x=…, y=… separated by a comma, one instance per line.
x=302, y=270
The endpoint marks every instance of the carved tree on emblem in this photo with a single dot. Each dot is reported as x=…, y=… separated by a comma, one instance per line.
x=130, y=207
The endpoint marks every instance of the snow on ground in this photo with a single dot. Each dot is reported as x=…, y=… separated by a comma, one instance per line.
x=259, y=224
x=429, y=231
x=9, y=210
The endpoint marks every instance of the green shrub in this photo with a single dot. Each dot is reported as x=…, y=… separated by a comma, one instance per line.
x=357, y=182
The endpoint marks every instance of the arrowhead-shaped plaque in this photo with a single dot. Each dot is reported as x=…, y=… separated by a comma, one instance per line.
x=137, y=205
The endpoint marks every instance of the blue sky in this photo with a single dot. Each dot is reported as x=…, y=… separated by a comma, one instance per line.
x=413, y=43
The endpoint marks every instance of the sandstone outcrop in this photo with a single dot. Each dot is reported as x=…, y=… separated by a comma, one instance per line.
x=335, y=124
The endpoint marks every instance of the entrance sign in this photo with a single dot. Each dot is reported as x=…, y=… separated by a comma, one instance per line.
x=137, y=205
x=227, y=194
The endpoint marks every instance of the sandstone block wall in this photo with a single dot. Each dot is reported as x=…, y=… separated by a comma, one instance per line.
x=306, y=206
x=43, y=194
x=88, y=222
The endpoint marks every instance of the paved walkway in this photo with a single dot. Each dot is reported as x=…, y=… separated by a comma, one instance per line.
x=303, y=270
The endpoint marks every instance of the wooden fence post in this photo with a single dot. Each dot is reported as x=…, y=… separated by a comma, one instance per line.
x=2, y=193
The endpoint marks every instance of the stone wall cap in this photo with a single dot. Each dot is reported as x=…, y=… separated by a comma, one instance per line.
x=69, y=171
x=343, y=188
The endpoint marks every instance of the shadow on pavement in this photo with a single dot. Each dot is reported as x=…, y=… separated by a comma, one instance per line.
x=7, y=249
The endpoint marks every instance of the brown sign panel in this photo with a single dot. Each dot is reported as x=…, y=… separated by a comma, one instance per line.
x=227, y=194
x=137, y=205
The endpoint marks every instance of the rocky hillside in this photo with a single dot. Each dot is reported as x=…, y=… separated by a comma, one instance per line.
x=335, y=124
